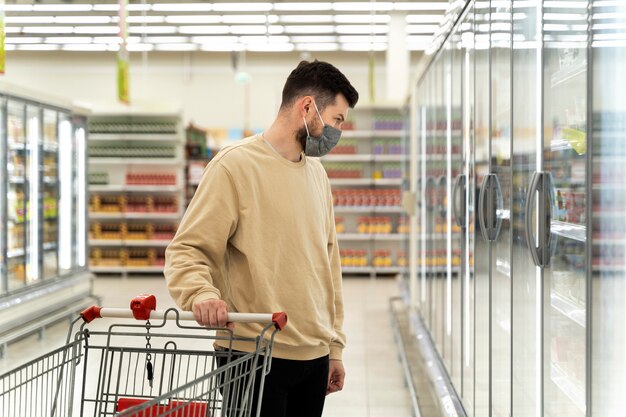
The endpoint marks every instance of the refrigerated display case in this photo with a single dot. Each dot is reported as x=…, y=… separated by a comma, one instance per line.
x=518, y=140
x=42, y=187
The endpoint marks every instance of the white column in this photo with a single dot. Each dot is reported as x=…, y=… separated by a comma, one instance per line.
x=398, y=59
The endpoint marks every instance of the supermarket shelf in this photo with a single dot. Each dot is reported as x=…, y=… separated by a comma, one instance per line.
x=364, y=158
x=366, y=181
x=156, y=216
x=575, y=392
x=124, y=269
x=373, y=270
x=135, y=188
x=136, y=161
x=350, y=209
x=374, y=236
x=116, y=242
x=569, y=230
x=609, y=268
x=153, y=137
x=372, y=133
x=569, y=309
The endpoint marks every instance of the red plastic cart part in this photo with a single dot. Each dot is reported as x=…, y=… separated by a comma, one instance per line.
x=91, y=313
x=142, y=305
x=182, y=408
x=279, y=320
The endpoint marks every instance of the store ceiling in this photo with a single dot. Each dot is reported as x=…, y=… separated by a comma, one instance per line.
x=220, y=26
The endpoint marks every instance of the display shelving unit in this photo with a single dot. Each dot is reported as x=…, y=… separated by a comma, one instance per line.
x=136, y=190
x=366, y=174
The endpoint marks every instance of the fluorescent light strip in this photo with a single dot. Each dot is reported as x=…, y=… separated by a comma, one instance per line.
x=33, y=141
x=424, y=18
x=249, y=40
x=276, y=29
x=362, y=29
x=48, y=29
x=12, y=29
x=362, y=18
x=107, y=39
x=313, y=39
x=39, y=47
x=62, y=7
x=421, y=28
x=65, y=195
x=140, y=47
x=364, y=46
x=303, y=6
x=94, y=47
x=362, y=6
x=329, y=46
x=103, y=30
x=145, y=19
x=82, y=20
x=106, y=7
x=215, y=39
x=309, y=29
x=22, y=40
x=306, y=19
x=204, y=30
x=166, y=39
x=193, y=19
x=18, y=8
x=223, y=47
x=177, y=47
x=152, y=29
x=182, y=7
x=138, y=7
x=244, y=19
x=248, y=30
x=419, y=39
x=81, y=198
x=414, y=5
x=362, y=39
x=235, y=7
x=28, y=19
x=69, y=39
x=287, y=47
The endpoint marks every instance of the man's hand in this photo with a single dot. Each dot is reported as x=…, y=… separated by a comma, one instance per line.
x=212, y=313
x=336, y=376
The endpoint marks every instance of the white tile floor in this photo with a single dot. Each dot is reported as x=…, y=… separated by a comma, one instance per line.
x=374, y=384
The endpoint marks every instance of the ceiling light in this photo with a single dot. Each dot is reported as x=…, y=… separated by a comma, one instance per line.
x=107, y=39
x=244, y=19
x=203, y=30
x=236, y=7
x=303, y=6
x=12, y=29
x=419, y=39
x=328, y=46
x=83, y=19
x=152, y=29
x=193, y=19
x=94, y=47
x=362, y=29
x=166, y=39
x=276, y=30
x=10, y=47
x=214, y=39
x=362, y=39
x=364, y=46
x=248, y=30
x=39, y=47
x=263, y=39
x=29, y=19
x=313, y=39
x=424, y=18
x=421, y=28
x=48, y=29
x=62, y=7
x=138, y=7
x=104, y=30
x=145, y=19
x=182, y=7
x=362, y=18
x=18, y=8
x=421, y=5
x=270, y=47
x=362, y=6
x=223, y=47
x=22, y=40
x=417, y=46
x=309, y=29
x=106, y=7
x=304, y=18
x=177, y=47
x=140, y=47
x=68, y=39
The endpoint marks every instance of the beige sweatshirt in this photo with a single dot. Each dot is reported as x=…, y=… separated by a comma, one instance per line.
x=260, y=234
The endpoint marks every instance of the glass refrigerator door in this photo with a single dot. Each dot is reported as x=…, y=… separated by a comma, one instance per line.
x=565, y=155
x=80, y=193
x=17, y=185
x=50, y=168
x=66, y=167
x=500, y=207
x=34, y=200
x=608, y=303
x=527, y=130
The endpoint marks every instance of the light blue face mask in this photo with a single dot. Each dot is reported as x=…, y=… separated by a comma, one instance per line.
x=320, y=146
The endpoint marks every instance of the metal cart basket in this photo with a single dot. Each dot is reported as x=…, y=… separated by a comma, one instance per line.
x=160, y=367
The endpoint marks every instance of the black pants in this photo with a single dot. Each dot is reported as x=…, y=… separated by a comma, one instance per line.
x=292, y=388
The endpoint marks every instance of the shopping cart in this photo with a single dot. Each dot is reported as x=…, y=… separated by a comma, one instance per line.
x=158, y=368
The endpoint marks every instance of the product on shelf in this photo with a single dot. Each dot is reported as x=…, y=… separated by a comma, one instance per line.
x=164, y=231
x=98, y=178
x=346, y=147
x=140, y=257
x=403, y=225
x=339, y=225
x=107, y=203
x=150, y=178
x=366, y=198
x=375, y=225
x=107, y=257
x=344, y=170
x=132, y=151
x=401, y=259
x=138, y=231
x=388, y=123
x=115, y=231
x=382, y=258
x=353, y=258
x=121, y=127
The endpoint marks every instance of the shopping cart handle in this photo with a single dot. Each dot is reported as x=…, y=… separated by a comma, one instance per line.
x=143, y=307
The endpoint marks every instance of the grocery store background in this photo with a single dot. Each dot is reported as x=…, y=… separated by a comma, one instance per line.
x=478, y=185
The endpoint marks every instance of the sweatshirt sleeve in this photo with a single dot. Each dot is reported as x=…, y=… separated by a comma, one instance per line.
x=338, y=342
x=199, y=247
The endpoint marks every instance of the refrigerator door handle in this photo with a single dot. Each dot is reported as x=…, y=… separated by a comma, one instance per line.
x=535, y=251
x=459, y=214
x=481, y=208
x=549, y=240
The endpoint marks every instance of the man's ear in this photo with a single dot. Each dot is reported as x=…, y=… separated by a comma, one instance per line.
x=304, y=105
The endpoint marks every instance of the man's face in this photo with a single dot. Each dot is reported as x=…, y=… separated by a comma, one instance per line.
x=334, y=115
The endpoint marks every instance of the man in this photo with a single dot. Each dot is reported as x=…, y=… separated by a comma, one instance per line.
x=259, y=236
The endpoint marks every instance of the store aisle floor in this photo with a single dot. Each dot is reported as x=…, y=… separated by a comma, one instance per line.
x=374, y=383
